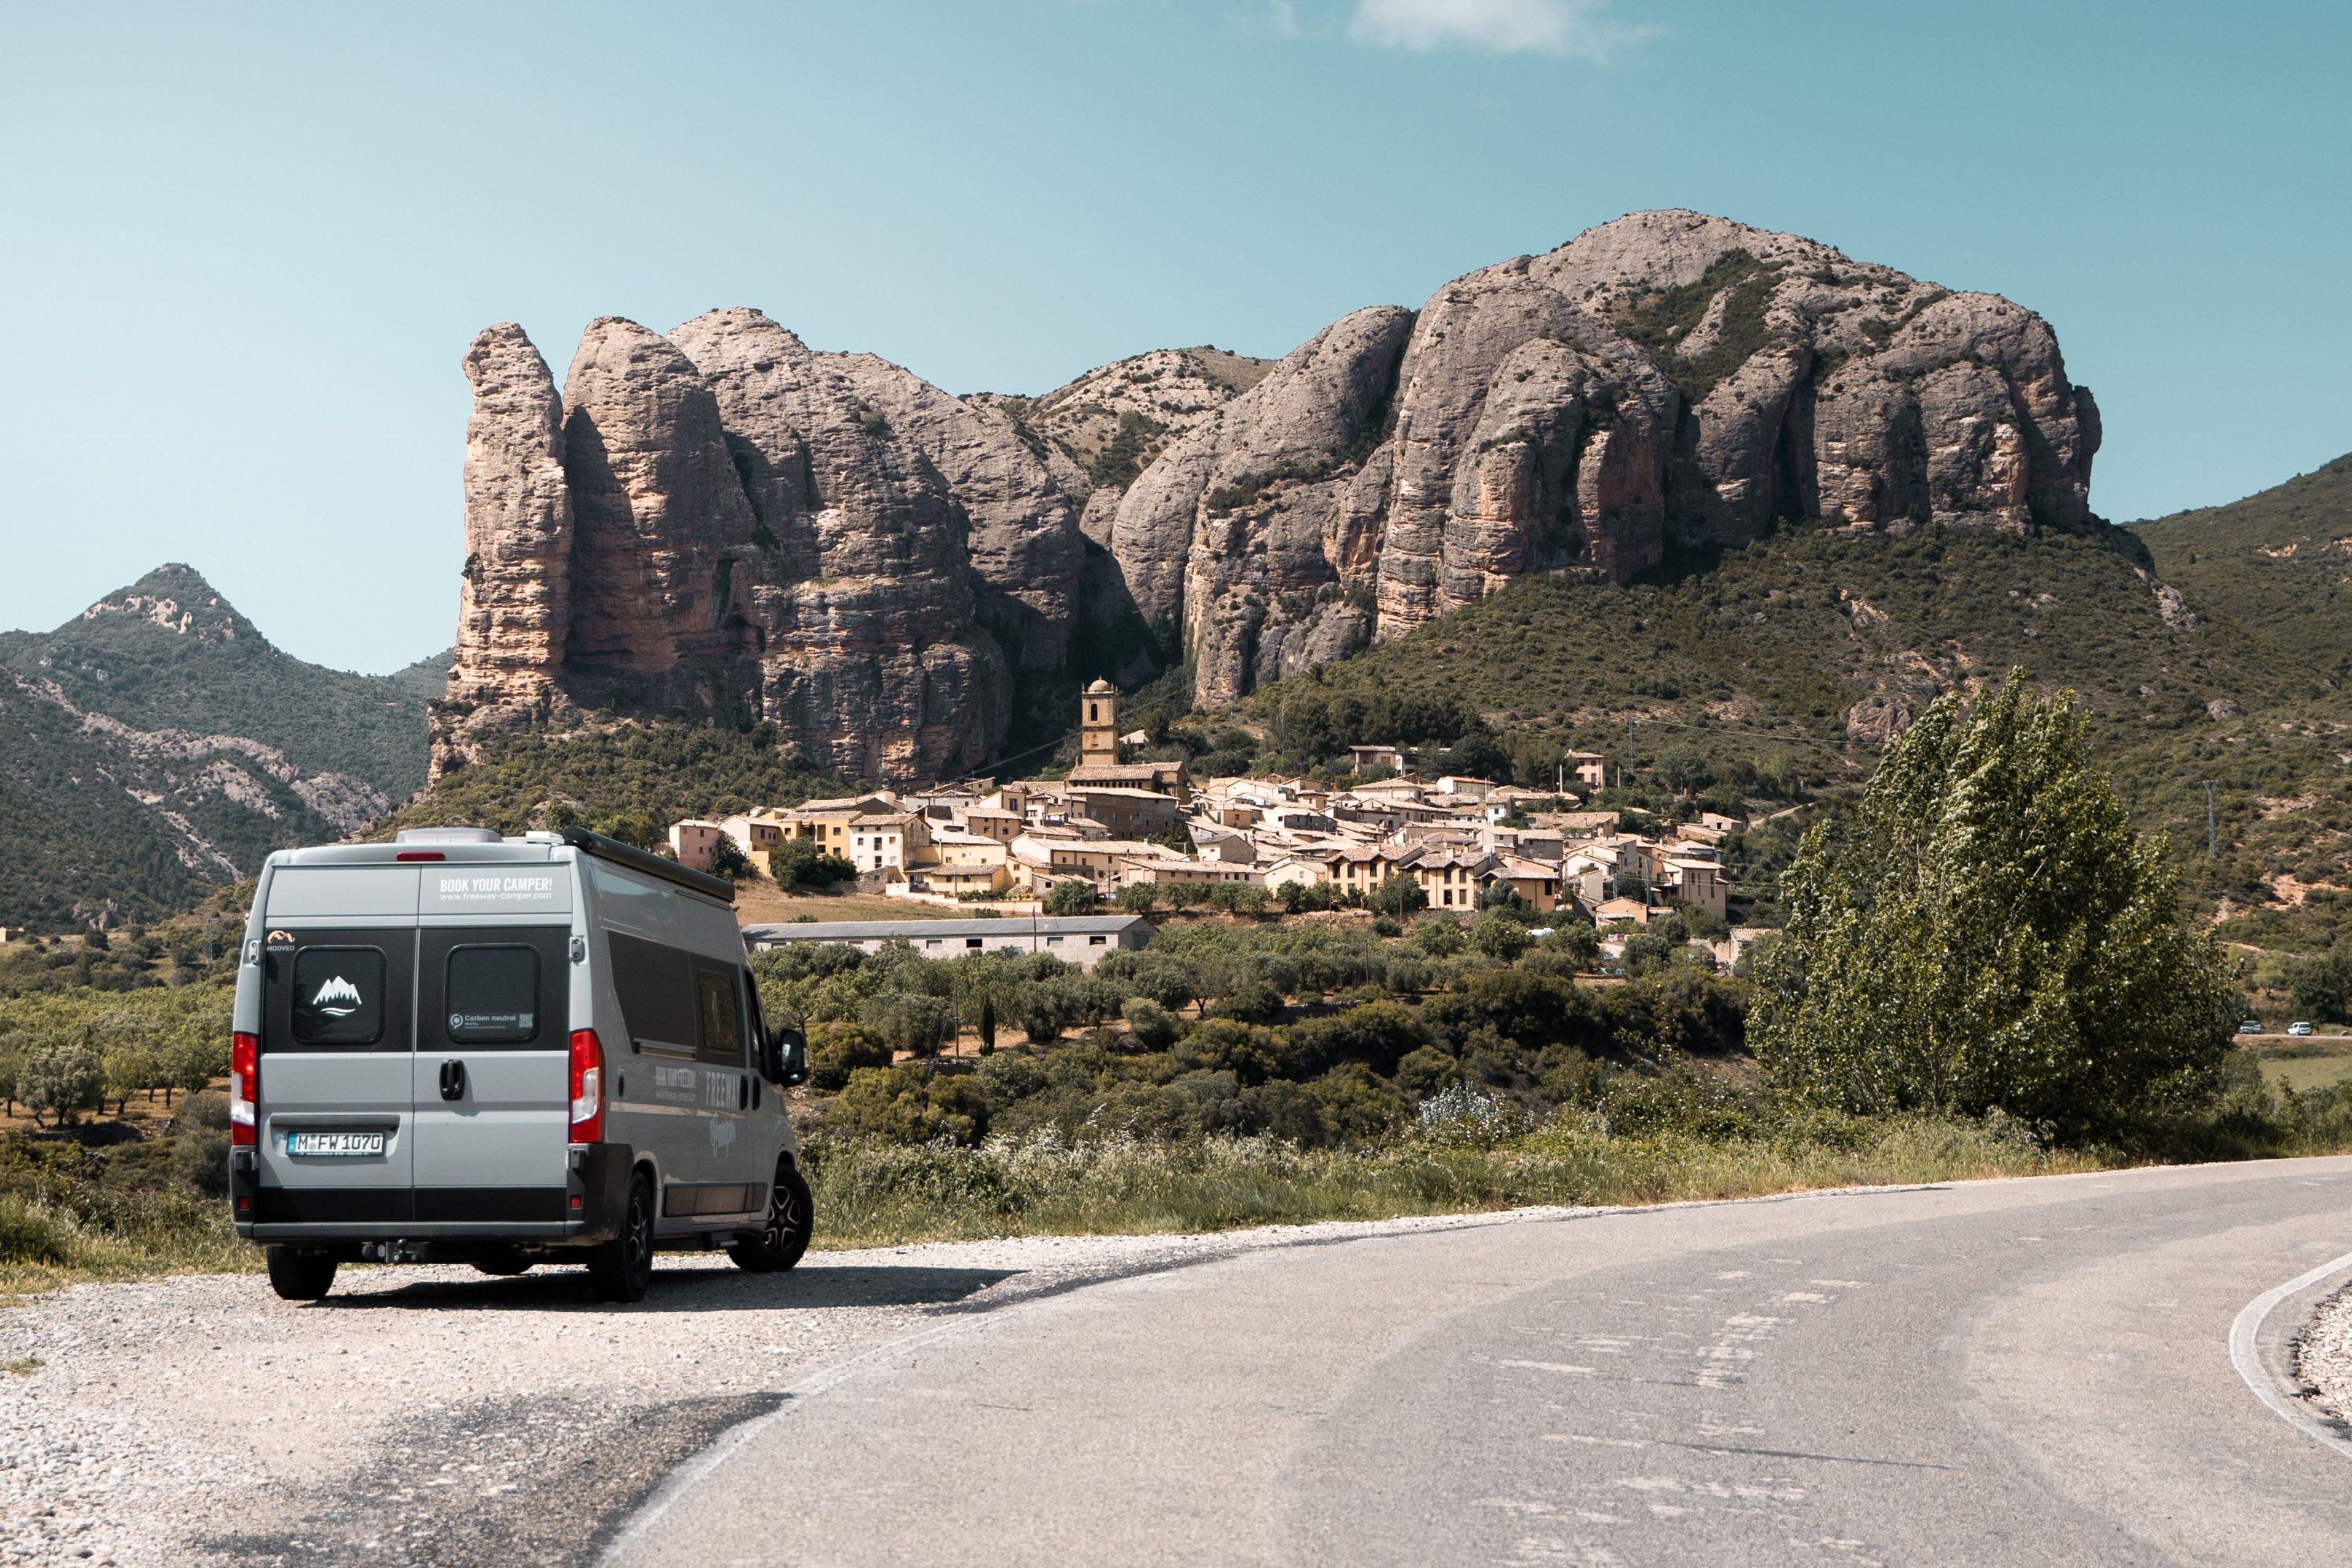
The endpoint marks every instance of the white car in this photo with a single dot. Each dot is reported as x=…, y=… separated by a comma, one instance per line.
x=2298, y=1028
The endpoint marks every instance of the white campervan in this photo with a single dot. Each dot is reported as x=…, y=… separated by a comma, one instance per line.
x=460, y=1047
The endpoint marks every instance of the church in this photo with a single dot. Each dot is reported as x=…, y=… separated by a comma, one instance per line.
x=1099, y=765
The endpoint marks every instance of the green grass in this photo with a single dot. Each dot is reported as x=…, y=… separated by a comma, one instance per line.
x=2302, y=1067
x=871, y=1194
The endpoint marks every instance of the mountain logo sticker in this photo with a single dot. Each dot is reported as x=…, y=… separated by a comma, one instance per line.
x=337, y=998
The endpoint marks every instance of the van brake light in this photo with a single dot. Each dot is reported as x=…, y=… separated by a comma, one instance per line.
x=420, y=854
x=243, y=1088
x=587, y=1087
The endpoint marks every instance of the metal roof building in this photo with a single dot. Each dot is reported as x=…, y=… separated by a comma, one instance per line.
x=1073, y=939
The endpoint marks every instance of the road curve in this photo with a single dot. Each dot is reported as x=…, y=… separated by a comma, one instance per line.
x=2028, y=1372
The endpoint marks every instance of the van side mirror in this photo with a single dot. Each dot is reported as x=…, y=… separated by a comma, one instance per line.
x=787, y=1058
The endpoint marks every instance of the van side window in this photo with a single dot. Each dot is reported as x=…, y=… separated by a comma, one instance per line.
x=493, y=996
x=721, y=1012
x=655, y=985
x=338, y=997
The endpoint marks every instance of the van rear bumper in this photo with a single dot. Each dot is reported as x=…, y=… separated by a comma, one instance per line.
x=586, y=1209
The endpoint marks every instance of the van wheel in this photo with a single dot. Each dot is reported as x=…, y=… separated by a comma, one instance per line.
x=300, y=1276
x=792, y=1214
x=622, y=1268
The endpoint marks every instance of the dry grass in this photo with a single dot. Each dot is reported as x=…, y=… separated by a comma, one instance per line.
x=876, y=1195
x=762, y=902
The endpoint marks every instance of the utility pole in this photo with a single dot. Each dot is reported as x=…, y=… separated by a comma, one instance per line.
x=2213, y=826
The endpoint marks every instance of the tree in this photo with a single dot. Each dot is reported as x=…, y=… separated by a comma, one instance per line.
x=728, y=860
x=63, y=1078
x=1987, y=931
x=909, y=1021
x=987, y=1024
x=1399, y=896
x=2321, y=988
x=1499, y=937
x=1070, y=898
x=1138, y=898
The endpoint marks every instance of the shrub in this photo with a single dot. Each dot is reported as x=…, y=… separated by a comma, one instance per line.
x=1425, y=1072
x=910, y=1105
x=1152, y=1026
x=728, y=859
x=836, y=1051
x=200, y=1158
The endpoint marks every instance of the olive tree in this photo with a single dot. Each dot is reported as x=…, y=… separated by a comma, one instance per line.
x=1986, y=931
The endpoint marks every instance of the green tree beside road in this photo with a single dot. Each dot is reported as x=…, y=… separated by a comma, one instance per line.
x=1987, y=932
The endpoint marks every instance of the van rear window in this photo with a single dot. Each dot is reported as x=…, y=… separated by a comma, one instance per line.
x=338, y=997
x=493, y=996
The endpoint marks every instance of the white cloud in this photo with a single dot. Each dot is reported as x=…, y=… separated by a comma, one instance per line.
x=1582, y=28
x=1286, y=17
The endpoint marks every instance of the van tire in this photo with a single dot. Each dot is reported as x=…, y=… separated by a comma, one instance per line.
x=300, y=1276
x=792, y=1216
x=622, y=1269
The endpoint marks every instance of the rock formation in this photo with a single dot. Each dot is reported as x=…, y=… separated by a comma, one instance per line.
x=1666, y=378
x=514, y=610
x=723, y=523
x=749, y=541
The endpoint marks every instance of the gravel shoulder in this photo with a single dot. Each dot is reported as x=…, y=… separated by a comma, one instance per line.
x=2324, y=1357
x=435, y=1415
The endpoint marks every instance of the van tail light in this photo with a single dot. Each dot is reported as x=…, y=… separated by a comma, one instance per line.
x=587, y=1087
x=243, y=1088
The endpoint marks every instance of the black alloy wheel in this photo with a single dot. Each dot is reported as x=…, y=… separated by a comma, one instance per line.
x=300, y=1276
x=791, y=1217
x=622, y=1269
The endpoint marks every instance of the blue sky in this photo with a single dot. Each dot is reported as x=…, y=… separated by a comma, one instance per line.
x=242, y=251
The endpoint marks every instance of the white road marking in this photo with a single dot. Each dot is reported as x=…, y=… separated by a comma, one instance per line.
x=1548, y=1366
x=2244, y=1337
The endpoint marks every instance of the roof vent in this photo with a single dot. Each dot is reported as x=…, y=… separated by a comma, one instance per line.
x=448, y=835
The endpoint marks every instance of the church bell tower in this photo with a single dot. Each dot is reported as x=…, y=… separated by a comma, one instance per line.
x=1098, y=726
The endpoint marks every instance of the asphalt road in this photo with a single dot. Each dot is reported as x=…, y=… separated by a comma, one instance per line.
x=2033, y=1372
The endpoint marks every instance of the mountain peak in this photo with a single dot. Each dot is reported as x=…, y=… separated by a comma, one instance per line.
x=176, y=597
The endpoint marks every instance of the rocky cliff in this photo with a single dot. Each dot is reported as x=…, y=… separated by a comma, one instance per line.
x=723, y=523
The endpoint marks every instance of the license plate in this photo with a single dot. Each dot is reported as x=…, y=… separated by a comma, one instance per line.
x=333, y=1143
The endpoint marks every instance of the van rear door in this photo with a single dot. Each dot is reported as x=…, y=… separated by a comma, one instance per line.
x=493, y=1089
x=339, y=961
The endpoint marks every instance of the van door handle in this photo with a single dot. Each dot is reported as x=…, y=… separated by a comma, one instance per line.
x=453, y=1080
x=743, y=1092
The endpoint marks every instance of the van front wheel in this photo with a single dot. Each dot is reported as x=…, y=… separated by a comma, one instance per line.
x=622, y=1269
x=300, y=1276
x=792, y=1216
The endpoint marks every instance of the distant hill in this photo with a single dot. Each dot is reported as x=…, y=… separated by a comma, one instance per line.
x=1789, y=661
x=157, y=745
x=2279, y=563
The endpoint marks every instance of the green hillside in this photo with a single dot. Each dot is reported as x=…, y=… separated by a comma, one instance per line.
x=632, y=780
x=168, y=653
x=2279, y=563
x=156, y=747
x=1775, y=669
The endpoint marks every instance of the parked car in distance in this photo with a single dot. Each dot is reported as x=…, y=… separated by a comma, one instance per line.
x=2250, y=1027
x=2298, y=1028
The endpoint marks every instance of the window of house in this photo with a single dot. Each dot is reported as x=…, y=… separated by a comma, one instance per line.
x=1095, y=941
x=971, y=941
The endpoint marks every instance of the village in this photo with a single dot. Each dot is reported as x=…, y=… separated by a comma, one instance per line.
x=1135, y=835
